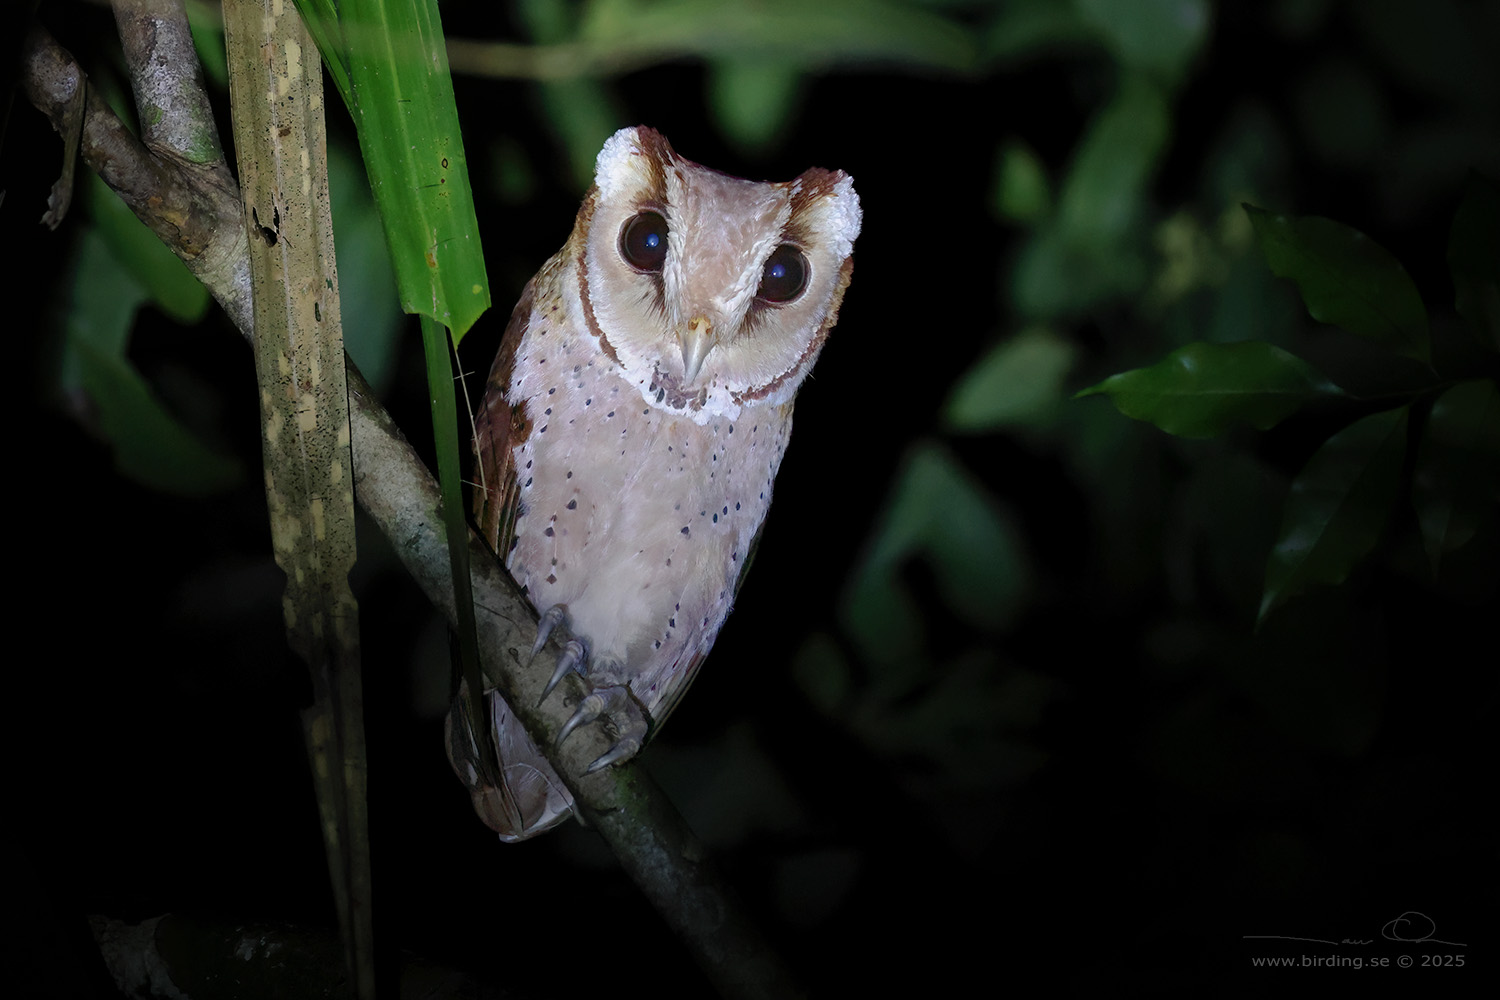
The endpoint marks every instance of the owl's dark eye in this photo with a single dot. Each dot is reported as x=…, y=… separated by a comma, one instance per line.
x=643, y=241
x=785, y=275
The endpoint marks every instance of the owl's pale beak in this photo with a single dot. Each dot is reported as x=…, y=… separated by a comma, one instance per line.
x=697, y=340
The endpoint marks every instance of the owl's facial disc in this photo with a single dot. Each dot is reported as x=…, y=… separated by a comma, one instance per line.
x=710, y=292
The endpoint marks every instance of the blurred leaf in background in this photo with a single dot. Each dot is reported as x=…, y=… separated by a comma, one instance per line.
x=120, y=267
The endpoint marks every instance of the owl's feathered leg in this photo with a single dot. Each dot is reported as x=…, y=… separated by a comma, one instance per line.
x=609, y=699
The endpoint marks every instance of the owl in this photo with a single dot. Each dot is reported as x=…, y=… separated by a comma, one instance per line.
x=631, y=429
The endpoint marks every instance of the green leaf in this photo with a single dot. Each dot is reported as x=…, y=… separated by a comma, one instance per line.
x=821, y=670
x=827, y=32
x=1104, y=189
x=372, y=318
x=1338, y=507
x=1203, y=389
x=940, y=514
x=1161, y=36
x=413, y=150
x=1345, y=279
x=1019, y=382
x=103, y=296
x=1093, y=247
x=149, y=444
x=1456, y=484
x=1474, y=258
x=582, y=114
x=753, y=99
x=1023, y=192
x=1026, y=29
x=207, y=27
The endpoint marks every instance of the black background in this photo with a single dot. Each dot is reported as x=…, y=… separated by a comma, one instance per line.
x=154, y=752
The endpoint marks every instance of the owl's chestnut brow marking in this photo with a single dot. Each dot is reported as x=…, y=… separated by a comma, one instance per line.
x=625, y=509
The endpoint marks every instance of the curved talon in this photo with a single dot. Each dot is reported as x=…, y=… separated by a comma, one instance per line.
x=623, y=750
x=588, y=710
x=573, y=658
x=550, y=619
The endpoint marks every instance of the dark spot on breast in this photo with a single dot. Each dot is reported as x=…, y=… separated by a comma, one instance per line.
x=548, y=532
x=572, y=504
x=685, y=530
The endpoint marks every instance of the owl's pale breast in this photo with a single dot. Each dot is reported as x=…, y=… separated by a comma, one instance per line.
x=635, y=517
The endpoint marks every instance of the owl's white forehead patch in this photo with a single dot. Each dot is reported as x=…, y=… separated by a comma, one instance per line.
x=844, y=216
x=621, y=167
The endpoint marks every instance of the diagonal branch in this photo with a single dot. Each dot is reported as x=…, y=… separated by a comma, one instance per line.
x=193, y=205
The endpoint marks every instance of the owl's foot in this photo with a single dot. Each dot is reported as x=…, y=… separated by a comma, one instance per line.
x=549, y=620
x=609, y=699
x=620, y=710
x=573, y=657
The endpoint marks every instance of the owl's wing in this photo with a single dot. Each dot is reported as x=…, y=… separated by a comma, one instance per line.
x=498, y=427
x=681, y=674
x=529, y=798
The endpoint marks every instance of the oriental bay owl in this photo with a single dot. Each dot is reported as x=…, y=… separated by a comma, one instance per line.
x=631, y=429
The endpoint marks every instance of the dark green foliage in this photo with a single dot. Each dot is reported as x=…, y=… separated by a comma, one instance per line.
x=1205, y=389
x=1343, y=499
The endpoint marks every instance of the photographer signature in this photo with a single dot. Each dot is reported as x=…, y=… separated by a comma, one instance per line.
x=1412, y=927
